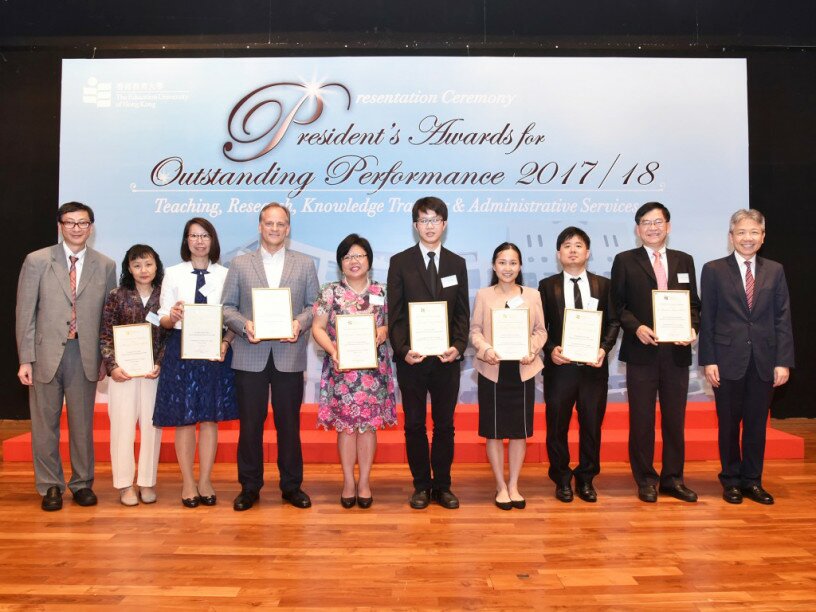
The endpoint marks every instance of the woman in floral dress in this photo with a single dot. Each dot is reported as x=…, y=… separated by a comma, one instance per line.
x=355, y=403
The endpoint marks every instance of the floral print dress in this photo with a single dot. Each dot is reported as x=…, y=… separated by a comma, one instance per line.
x=356, y=400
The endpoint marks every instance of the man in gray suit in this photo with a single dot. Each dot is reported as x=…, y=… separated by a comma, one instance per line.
x=261, y=364
x=60, y=295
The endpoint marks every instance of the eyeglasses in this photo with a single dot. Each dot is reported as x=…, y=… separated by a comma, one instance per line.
x=72, y=224
x=656, y=223
x=432, y=221
x=354, y=258
x=199, y=236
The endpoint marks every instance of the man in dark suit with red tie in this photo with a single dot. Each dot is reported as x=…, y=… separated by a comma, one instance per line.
x=746, y=346
x=568, y=384
x=654, y=368
x=428, y=272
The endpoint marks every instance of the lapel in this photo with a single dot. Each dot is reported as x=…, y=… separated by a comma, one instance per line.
x=558, y=291
x=88, y=270
x=60, y=268
x=671, y=268
x=642, y=257
x=257, y=265
x=594, y=288
x=419, y=262
x=736, y=279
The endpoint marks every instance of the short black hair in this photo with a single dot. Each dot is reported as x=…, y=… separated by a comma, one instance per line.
x=503, y=247
x=649, y=207
x=70, y=207
x=215, y=246
x=429, y=204
x=126, y=279
x=571, y=232
x=349, y=241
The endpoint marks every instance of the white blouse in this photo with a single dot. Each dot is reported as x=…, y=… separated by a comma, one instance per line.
x=179, y=284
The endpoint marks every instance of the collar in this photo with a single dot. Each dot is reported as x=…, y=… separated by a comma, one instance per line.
x=741, y=261
x=582, y=276
x=266, y=256
x=70, y=253
x=650, y=252
x=425, y=250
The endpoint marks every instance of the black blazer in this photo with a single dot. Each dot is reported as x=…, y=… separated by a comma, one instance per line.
x=729, y=332
x=633, y=280
x=408, y=282
x=552, y=297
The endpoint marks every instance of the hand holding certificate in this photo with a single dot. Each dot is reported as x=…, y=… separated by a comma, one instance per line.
x=201, y=332
x=356, y=342
x=511, y=333
x=133, y=349
x=428, y=322
x=672, y=315
x=272, y=313
x=581, y=337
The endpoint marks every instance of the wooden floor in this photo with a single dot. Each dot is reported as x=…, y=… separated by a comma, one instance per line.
x=617, y=554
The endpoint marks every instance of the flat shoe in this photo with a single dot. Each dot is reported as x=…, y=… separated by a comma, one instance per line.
x=52, y=500
x=347, y=502
x=147, y=495
x=365, y=502
x=519, y=504
x=191, y=502
x=128, y=497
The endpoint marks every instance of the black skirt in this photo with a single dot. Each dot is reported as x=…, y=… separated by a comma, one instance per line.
x=506, y=407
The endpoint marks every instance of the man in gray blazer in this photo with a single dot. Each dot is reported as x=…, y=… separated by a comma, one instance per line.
x=60, y=295
x=261, y=364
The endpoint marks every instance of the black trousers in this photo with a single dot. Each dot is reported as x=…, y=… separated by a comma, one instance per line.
x=430, y=465
x=743, y=401
x=644, y=383
x=585, y=388
x=252, y=391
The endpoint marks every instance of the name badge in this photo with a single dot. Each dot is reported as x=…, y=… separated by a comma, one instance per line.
x=449, y=281
x=376, y=300
x=515, y=302
x=207, y=289
x=682, y=277
x=153, y=318
x=591, y=303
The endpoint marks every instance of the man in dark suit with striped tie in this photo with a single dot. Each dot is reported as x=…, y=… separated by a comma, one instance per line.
x=746, y=346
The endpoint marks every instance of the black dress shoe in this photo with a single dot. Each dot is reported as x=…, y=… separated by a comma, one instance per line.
x=647, y=493
x=732, y=495
x=365, y=502
x=564, y=493
x=208, y=500
x=679, y=491
x=445, y=498
x=347, y=502
x=420, y=499
x=298, y=498
x=191, y=502
x=758, y=494
x=245, y=500
x=586, y=491
x=85, y=497
x=52, y=500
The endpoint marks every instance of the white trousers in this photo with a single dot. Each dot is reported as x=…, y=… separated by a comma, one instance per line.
x=129, y=403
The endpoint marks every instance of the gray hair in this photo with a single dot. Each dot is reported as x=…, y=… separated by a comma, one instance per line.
x=742, y=214
x=275, y=205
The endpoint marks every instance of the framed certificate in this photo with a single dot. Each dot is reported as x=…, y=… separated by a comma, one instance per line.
x=672, y=315
x=428, y=322
x=581, y=337
x=272, y=313
x=133, y=348
x=201, y=331
x=356, y=342
x=511, y=333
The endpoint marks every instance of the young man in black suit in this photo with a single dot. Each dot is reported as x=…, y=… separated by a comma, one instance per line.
x=746, y=346
x=654, y=368
x=568, y=384
x=428, y=272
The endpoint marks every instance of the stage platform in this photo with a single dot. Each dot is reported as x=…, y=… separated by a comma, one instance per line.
x=320, y=446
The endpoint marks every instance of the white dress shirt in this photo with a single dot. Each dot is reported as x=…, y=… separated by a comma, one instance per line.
x=68, y=254
x=425, y=250
x=179, y=284
x=273, y=266
x=569, y=292
x=741, y=265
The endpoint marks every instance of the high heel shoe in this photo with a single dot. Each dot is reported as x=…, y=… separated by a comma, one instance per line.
x=191, y=502
x=207, y=500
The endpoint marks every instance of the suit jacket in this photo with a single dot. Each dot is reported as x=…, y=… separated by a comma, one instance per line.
x=44, y=309
x=408, y=282
x=481, y=331
x=633, y=280
x=552, y=297
x=247, y=271
x=730, y=333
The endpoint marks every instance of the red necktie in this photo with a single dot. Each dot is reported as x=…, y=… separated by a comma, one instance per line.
x=660, y=273
x=749, y=285
x=72, y=331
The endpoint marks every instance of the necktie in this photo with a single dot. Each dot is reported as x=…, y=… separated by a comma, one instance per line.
x=660, y=272
x=749, y=285
x=576, y=292
x=433, y=274
x=200, y=298
x=72, y=326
